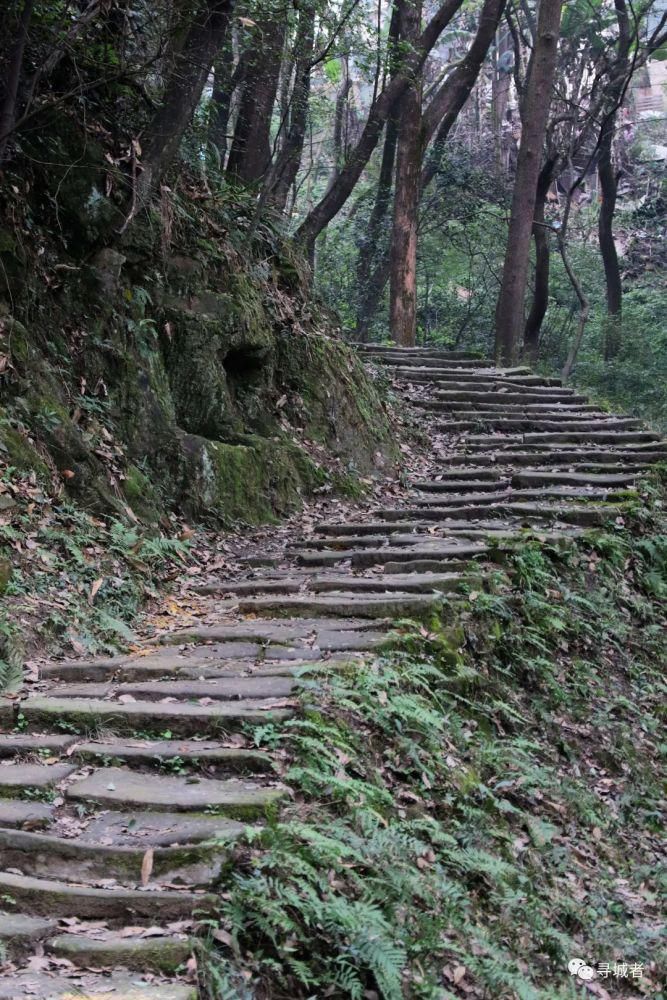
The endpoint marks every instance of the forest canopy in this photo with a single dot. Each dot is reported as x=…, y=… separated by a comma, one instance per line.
x=478, y=173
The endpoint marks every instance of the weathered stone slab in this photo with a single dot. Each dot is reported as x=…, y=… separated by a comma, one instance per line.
x=149, y=954
x=38, y=776
x=31, y=815
x=116, y=787
x=223, y=689
x=52, y=898
x=191, y=752
x=89, y=986
x=141, y=829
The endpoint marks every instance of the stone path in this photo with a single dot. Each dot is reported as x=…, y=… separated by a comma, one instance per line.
x=124, y=781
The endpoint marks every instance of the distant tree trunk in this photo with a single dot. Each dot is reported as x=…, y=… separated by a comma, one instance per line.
x=538, y=309
x=612, y=273
x=403, y=269
x=221, y=100
x=370, y=288
x=284, y=170
x=185, y=84
x=13, y=78
x=535, y=111
x=334, y=199
x=438, y=119
x=250, y=155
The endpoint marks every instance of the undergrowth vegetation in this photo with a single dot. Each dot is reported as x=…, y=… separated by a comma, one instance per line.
x=475, y=807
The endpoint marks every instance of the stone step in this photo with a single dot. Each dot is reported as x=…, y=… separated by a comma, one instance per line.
x=18, y=744
x=547, y=395
x=406, y=582
x=511, y=494
x=564, y=437
x=539, y=477
x=479, y=384
x=376, y=606
x=224, y=689
x=357, y=528
x=92, y=715
x=566, y=513
x=478, y=409
x=163, y=953
x=47, y=855
x=16, y=813
x=558, y=423
x=27, y=984
x=459, y=485
x=51, y=897
x=284, y=585
x=416, y=352
x=590, y=458
x=31, y=777
x=365, y=558
x=19, y=933
x=172, y=753
x=121, y=788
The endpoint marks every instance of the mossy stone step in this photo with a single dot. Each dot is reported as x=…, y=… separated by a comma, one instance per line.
x=30, y=985
x=380, y=557
x=17, y=814
x=19, y=932
x=148, y=954
x=145, y=828
x=46, y=855
x=50, y=897
x=545, y=477
x=222, y=689
x=459, y=485
x=91, y=715
x=31, y=777
x=13, y=744
x=364, y=527
x=192, y=753
x=590, y=458
x=119, y=788
x=376, y=606
x=528, y=396
x=407, y=582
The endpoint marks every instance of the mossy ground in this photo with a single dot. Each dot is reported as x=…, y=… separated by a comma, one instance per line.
x=475, y=808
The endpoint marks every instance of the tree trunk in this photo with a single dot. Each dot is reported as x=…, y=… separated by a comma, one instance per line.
x=368, y=273
x=538, y=309
x=11, y=85
x=403, y=270
x=535, y=111
x=250, y=155
x=284, y=171
x=438, y=119
x=221, y=100
x=183, y=91
x=334, y=199
x=612, y=273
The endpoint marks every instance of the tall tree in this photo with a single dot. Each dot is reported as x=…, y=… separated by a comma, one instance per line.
x=250, y=153
x=337, y=194
x=192, y=64
x=535, y=112
x=403, y=267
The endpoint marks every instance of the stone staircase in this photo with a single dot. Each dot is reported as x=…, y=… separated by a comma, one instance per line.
x=124, y=781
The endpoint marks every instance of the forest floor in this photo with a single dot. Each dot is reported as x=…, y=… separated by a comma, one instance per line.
x=403, y=745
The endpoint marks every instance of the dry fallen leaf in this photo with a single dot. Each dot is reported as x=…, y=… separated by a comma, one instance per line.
x=147, y=866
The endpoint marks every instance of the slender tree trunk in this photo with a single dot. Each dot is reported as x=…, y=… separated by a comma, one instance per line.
x=221, y=100
x=538, y=309
x=439, y=117
x=535, y=111
x=184, y=88
x=250, y=154
x=11, y=87
x=369, y=288
x=612, y=273
x=334, y=199
x=403, y=270
x=285, y=168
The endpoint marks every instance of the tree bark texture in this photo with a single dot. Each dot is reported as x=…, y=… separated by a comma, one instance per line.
x=403, y=269
x=538, y=309
x=535, y=111
x=183, y=91
x=250, y=154
x=11, y=84
x=334, y=199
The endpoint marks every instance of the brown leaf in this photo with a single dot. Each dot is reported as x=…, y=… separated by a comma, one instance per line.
x=95, y=589
x=147, y=866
